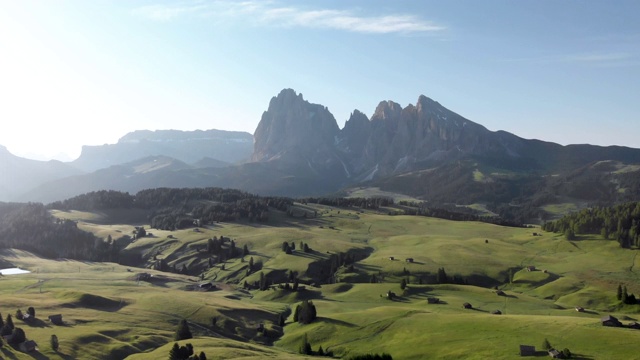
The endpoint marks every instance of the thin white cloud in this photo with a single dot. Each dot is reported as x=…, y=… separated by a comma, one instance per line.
x=597, y=58
x=269, y=13
x=618, y=59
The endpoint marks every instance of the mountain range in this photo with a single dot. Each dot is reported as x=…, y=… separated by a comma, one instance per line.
x=424, y=150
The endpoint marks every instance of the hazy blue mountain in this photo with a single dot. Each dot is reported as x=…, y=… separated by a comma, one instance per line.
x=18, y=175
x=187, y=146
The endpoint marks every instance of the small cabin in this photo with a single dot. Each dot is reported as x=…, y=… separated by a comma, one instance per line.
x=496, y=312
x=433, y=300
x=527, y=350
x=579, y=309
x=391, y=258
x=409, y=260
x=206, y=286
x=634, y=325
x=500, y=293
x=28, y=346
x=56, y=319
x=555, y=354
x=531, y=268
x=467, y=306
x=610, y=321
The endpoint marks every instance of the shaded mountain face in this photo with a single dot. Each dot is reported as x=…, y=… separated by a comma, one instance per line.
x=423, y=150
x=293, y=127
x=186, y=146
x=18, y=175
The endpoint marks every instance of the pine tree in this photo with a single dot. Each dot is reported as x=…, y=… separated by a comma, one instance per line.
x=305, y=347
x=625, y=295
x=202, y=356
x=9, y=322
x=245, y=252
x=183, y=331
x=619, y=294
x=18, y=336
x=546, y=344
x=54, y=342
x=320, y=351
x=403, y=284
x=296, y=313
x=1, y=322
x=174, y=353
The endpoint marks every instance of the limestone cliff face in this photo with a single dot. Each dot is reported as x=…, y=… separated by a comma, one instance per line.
x=292, y=126
x=395, y=140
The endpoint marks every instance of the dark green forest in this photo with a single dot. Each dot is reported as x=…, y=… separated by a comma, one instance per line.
x=620, y=223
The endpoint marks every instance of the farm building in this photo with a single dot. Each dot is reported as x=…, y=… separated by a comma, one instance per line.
x=531, y=268
x=391, y=258
x=527, y=350
x=467, y=306
x=555, y=354
x=56, y=319
x=579, y=309
x=496, y=312
x=409, y=260
x=433, y=300
x=610, y=321
x=28, y=346
x=500, y=293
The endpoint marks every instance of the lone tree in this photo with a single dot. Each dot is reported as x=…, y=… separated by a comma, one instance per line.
x=9, y=322
x=546, y=344
x=403, y=284
x=18, y=336
x=306, y=312
x=619, y=293
x=305, y=347
x=31, y=311
x=54, y=342
x=183, y=332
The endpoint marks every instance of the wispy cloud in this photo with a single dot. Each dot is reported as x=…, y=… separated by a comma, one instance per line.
x=268, y=13
x=604, y=59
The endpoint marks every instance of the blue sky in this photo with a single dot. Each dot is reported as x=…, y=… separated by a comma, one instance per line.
x=78, y=72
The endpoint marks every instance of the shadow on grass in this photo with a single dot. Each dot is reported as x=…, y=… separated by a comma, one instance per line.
x=64, y=356
x=336, y=322
x=37, y=323
x=7, y=354
x=39, y=356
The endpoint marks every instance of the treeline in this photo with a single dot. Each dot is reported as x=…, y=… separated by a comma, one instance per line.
x=171, y=208
x=30, y=227
x=420, y=209
x=620, y=223
x=373, y=203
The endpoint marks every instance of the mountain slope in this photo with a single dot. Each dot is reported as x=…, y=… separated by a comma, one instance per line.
x=19, y=175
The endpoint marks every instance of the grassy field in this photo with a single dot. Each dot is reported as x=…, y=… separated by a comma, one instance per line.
x=108, y=314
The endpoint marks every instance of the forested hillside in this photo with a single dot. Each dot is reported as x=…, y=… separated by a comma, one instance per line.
x=620, y=223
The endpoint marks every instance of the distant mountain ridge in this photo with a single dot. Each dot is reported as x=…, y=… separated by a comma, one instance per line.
x=423, y=150
x=187, y=146
x=18, y=175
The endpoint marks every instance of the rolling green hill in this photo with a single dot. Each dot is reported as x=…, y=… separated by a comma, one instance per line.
x=110, y=314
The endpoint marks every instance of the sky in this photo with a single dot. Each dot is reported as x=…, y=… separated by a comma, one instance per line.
x=75, y=72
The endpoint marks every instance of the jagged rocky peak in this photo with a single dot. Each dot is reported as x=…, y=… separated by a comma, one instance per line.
x=293, y=124
x=387, y=110
x=353, y=137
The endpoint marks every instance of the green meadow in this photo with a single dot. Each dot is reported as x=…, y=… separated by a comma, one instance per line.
x=109, y=314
